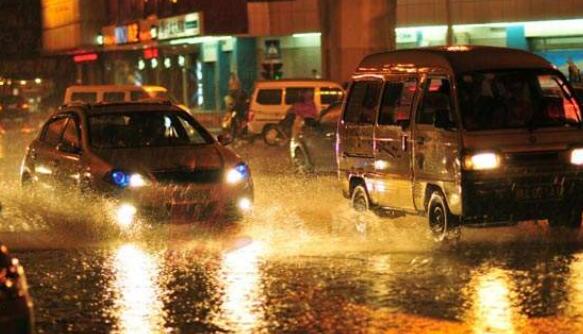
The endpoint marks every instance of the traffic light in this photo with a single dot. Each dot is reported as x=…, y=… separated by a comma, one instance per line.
x=272, y=70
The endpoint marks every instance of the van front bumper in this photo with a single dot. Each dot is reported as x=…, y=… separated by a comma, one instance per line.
x=502, y=197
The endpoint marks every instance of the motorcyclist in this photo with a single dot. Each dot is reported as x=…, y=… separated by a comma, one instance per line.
x=304, y=110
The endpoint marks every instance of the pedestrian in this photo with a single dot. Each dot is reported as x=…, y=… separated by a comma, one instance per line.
x=234, y=84
x=315, y=74
x=574, y=72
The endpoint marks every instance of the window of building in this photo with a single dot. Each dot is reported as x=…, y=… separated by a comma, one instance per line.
x=269, y=96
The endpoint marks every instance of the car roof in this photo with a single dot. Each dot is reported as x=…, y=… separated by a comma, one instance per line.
x=458, y=59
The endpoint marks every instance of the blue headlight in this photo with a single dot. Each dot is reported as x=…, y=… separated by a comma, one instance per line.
x=237, y=174
x=243, y=170
x=120, y=178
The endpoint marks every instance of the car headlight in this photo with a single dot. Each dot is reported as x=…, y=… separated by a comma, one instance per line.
x=237, y=174
x=577, y=156
x=124, y=179
x=482, y=161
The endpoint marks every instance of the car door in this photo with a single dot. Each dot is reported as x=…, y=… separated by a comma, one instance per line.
x=393, y=171
x=435, y=149
x=320, y=139
x=43, y=154
x=357, y=126
x=68, y=162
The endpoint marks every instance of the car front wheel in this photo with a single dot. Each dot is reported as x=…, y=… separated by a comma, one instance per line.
x=443, y=225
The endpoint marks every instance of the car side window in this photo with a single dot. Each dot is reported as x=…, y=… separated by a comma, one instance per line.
x=436, y=96
x=362, y=102
x=329, y=95
x=269, y=96
x=53, y=131
x=71, y=134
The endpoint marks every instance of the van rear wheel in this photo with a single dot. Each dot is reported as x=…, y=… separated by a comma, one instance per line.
x=273, y=136
x=443, y=225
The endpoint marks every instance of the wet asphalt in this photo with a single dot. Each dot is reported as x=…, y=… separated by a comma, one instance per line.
x=296, y=265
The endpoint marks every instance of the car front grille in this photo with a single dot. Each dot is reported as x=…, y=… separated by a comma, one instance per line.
x=197, y=176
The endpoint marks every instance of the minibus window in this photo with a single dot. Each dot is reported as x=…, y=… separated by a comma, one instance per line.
x=396, y=103
x=269, y=97
x=516, y=99
x=362, y=103
x=113, y=96
x=437, y=97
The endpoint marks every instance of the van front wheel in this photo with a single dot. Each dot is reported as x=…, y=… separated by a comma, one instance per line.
x=360, y=204
x=442, y=224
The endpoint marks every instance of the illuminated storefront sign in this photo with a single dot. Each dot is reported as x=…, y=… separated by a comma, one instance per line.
x=180, y=26
x=127, y=34
x=150, y=53
x=84, y=58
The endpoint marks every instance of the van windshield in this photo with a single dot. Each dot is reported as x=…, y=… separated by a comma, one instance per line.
x=516, y=99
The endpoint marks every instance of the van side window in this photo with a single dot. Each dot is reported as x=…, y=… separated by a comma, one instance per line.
x=53, y=131
x=437, y=96
x=296, y=94
x=84, y=97
x=113, y=96
x=362, y=102
x=329, y=95
x=137, y=95
x=269, y=96
x=71, y=134
x=391, y=96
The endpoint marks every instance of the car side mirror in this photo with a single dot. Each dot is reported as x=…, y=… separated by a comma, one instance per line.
x=441, y=119
x=67, y=148
x=225, y=139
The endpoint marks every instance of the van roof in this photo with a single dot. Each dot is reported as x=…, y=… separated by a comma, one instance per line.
x=287, y=82
x=459, y=59
x=113, y=87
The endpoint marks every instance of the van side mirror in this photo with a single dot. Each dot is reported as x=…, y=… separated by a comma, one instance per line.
x=441, y=119
x=68, y=148
x=225, y=139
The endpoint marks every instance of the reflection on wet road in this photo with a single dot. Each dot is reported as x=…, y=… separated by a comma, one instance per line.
x=296, y=266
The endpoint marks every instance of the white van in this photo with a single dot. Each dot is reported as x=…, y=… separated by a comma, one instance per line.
x=114, y=93
x=272, y=99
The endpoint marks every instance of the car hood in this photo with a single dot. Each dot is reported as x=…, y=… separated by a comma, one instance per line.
x=148, y=159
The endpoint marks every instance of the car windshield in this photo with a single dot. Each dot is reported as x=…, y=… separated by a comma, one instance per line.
x=145, y=129
x=516, y=99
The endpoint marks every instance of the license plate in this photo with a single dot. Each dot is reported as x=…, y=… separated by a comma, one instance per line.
x=183, y=211
x=189, y=196
x=534, y=193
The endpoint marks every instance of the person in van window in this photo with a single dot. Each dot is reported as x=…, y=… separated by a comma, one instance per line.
x=518, y=102
x=304, y=109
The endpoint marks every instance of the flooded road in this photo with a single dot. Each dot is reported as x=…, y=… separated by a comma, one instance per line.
x=296, y=265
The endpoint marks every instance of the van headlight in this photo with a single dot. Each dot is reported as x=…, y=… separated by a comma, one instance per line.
x=237, y=174
x=124, y=179
x=482, y=161
x=577, y=156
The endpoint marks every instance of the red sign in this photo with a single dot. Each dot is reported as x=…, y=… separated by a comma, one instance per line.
x=151, y=53
x=87, y=57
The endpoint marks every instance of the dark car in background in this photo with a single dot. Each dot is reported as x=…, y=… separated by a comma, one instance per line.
x=16, y=315
x=153, y=159
x=14, y=113
x=314, y=148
